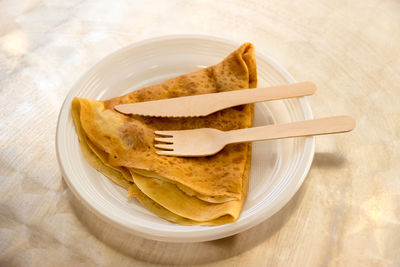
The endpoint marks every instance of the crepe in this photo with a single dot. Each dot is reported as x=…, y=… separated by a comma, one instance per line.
x=204, y=190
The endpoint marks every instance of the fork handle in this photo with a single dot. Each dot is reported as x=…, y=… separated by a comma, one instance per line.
x=329, y=125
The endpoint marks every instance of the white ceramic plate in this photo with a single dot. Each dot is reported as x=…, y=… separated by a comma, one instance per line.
x=278, y=167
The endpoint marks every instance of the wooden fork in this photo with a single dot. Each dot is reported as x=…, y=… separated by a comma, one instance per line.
x=207, y=141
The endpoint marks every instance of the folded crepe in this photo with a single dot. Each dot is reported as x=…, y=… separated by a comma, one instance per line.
x=191, y=191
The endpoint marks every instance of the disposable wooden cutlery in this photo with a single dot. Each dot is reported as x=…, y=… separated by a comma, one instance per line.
x=205, y=104
x=208, y=141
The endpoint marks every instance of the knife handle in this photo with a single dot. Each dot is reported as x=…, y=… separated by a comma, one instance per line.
x=240, y=97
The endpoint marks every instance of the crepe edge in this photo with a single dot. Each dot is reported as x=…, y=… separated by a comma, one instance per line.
x=133, y=191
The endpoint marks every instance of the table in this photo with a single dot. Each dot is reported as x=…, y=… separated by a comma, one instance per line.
x=347, y=213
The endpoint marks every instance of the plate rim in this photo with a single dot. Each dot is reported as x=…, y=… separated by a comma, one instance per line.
x=308, y=151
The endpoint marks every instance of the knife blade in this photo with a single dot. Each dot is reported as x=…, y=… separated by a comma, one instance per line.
x=205, y=104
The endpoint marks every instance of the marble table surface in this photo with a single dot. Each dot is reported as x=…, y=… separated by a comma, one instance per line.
x=347, y=212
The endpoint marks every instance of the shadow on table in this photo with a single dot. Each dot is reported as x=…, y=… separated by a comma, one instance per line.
x=182, y=253
x=194, y=253
x=328, y=160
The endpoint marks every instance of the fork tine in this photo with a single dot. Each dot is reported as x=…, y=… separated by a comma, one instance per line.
x=164, y=146
x=165, y=133
x=164, y=139
x=164, y=152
